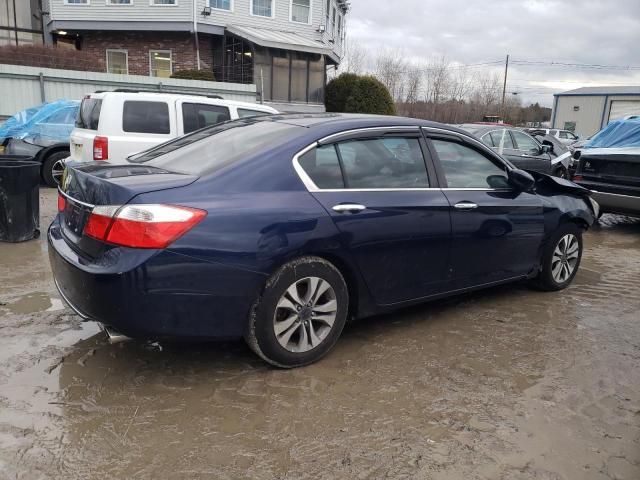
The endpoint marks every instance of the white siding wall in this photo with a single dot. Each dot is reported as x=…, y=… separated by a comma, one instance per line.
x=141, y=10
x=593, y=114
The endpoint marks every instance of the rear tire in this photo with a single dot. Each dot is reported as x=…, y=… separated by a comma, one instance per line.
x=300, y=315
x=561, y=259
x=52, y=168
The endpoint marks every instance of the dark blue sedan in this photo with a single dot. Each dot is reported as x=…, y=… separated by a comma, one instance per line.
x=279, y=229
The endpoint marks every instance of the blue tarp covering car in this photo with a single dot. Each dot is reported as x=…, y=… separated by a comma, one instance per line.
x=50, y=121
x=619, y=133
x=43, y=133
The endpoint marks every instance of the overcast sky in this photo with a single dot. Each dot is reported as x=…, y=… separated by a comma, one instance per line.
x=473, y=31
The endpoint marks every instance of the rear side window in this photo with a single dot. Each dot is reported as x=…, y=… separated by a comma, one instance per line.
x=199, y=115
x=525, y=142
x=146, y=117
x=89, y=114
x=494, y=139
x=383, y=163
x=245, y=112
x=323, y=167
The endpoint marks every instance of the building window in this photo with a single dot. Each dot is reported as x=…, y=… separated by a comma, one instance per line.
x=301, y=11
x=118, y=62
x=262, y=8
x=333, y=20
x=221, y=4
x=160, y=63
x=119, y=2
x=76, y=2
x=164, y=2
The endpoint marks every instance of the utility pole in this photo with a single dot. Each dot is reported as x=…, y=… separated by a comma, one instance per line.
x=504, y=87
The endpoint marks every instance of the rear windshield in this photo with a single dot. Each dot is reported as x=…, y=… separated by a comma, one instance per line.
x=89, y=114
x=212, y=148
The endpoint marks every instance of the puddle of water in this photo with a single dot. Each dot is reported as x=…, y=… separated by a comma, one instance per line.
x=31, y=303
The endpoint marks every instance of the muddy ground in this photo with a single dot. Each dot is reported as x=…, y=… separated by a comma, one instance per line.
x=508, y=383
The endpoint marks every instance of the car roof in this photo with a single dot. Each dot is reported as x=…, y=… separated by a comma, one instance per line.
x=179, y=96
x=346, y=121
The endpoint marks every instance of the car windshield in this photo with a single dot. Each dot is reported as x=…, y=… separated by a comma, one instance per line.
x=212, y=148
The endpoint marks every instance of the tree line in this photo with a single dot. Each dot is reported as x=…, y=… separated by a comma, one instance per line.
x=437, y=89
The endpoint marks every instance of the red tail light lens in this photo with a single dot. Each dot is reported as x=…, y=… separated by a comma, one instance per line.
x=577, y=178
x=62, y=202
x=142, y=226
x=100, y=148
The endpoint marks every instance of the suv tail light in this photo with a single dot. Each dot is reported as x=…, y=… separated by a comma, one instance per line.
x=100, y=148
x=141, y=226
x=577, y=178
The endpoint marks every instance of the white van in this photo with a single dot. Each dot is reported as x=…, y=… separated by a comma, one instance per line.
x=113, y=125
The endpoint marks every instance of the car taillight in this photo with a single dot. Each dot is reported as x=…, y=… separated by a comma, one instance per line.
x=577, y=178
x=62, y=202
x=100, y=148
x=141, y=226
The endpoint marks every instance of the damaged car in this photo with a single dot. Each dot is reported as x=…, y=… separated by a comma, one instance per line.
x=280, y=229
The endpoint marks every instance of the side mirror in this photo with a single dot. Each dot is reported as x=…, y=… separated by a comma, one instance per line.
x=546, y=148
x=521, y=180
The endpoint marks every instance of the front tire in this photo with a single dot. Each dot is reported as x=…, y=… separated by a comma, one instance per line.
x=561, y=259
x=300, y=315
x=52, y=168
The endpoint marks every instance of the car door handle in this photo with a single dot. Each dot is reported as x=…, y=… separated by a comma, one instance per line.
x=349, y=208
x=466, y=206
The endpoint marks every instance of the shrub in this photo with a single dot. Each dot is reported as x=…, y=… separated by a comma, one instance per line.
x=358, y=94
x=195, y=75
x=370, y=96
x=338, y=91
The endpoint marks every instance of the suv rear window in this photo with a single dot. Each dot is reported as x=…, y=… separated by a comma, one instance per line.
x=213, y=148
x=89, y=114
x=245, y=112
x=200, y=115
x=146, y=117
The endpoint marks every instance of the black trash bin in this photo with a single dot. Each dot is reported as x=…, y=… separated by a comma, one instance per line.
x=19, y=198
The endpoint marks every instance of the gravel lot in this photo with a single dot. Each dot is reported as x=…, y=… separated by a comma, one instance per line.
x=508, y=383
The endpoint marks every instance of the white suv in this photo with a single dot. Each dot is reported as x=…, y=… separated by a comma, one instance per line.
x=113, y=125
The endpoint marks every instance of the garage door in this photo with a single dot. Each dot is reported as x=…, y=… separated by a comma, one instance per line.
x=624, y=108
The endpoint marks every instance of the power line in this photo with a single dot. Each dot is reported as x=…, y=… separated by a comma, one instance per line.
x=575, y=65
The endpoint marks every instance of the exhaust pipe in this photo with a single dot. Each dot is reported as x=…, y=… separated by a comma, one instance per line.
x=114, y=336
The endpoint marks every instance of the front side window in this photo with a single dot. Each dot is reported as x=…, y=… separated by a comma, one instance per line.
x=117, y=62
x=383, y=163
x=465, y=167
x=146, y=117
x=200, y=115
x=323, y=167
x=301, y=11
x=220, y=4
x=160, y=63
x=525, y=142
x=262, y=8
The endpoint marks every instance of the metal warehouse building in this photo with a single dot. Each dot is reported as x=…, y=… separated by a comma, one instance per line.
x=586, y=111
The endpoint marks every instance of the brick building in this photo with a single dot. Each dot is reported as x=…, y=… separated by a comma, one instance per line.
x=282, y=46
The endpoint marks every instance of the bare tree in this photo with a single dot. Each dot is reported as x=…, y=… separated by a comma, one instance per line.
x=390, y=69
x=413, y=85
x=437, y=83
x=355, y=58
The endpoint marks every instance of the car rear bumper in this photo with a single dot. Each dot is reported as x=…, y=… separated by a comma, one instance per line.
x=166, y=295
x=616, y=203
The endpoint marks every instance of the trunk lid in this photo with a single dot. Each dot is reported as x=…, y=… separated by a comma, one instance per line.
x=84, y=186
x=611, y=168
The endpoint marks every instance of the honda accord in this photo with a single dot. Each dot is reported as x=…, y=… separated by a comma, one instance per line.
x=280, y=229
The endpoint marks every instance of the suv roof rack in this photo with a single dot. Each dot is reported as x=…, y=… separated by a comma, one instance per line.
x=169, y=92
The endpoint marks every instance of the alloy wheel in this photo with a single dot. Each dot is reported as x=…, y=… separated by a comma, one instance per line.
x=565, y=258
x=57, y=170
x=305, y=314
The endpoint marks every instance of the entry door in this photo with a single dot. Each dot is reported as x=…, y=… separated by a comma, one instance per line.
x=497, y=231
x=396, y=228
